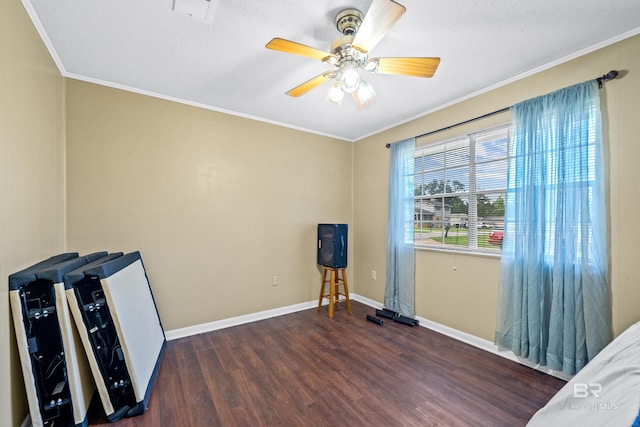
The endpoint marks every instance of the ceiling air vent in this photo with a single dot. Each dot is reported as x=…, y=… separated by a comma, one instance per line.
x=200, y=10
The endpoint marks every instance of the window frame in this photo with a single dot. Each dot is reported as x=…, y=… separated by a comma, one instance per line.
x=469, y=141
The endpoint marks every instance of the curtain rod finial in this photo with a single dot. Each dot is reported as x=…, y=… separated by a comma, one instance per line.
x=609, y=76
x=388, y=145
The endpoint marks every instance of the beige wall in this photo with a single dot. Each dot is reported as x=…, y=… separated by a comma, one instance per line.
x=216, y=204
x=465, y=298
x=31, y=176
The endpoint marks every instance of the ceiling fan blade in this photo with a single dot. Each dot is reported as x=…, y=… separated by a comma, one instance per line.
x=310, y=84
x=288, y=46
x=418, y=67
x=377, y=22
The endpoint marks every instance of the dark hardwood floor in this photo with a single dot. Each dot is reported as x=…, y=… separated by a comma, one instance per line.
x=304, y=369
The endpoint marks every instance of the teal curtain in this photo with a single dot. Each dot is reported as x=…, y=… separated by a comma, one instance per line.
x=399, y=292
x=554, y=303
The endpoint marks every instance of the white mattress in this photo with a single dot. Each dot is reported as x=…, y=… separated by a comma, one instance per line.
x=606, y=392
x=137, y=322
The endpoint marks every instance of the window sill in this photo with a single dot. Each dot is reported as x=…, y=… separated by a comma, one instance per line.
x=468, y=252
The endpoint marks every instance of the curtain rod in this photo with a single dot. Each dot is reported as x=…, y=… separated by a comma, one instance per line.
x=609, y=76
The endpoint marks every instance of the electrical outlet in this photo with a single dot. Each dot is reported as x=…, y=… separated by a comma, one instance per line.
x=374, y=275
x=274, y=280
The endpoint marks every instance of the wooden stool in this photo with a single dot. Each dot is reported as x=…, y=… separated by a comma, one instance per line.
x=334, y=277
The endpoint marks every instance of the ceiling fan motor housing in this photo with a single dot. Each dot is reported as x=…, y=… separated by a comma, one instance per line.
x=348, y=21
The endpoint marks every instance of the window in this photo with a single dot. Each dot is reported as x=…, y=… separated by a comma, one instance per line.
x=460, y=187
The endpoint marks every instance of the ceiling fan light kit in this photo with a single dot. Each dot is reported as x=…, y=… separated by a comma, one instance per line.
x=335, y=94
x=349, y=76
x=364, y=96
x=350, y=54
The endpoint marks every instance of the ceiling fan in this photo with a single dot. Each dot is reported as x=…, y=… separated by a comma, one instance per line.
x=350, y=54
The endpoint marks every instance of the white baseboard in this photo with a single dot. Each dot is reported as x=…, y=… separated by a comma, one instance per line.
x=367, y=301
x=235, y=321
x=426, y=323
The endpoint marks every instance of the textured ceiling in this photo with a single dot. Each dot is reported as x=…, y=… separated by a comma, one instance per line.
x=145, y=46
